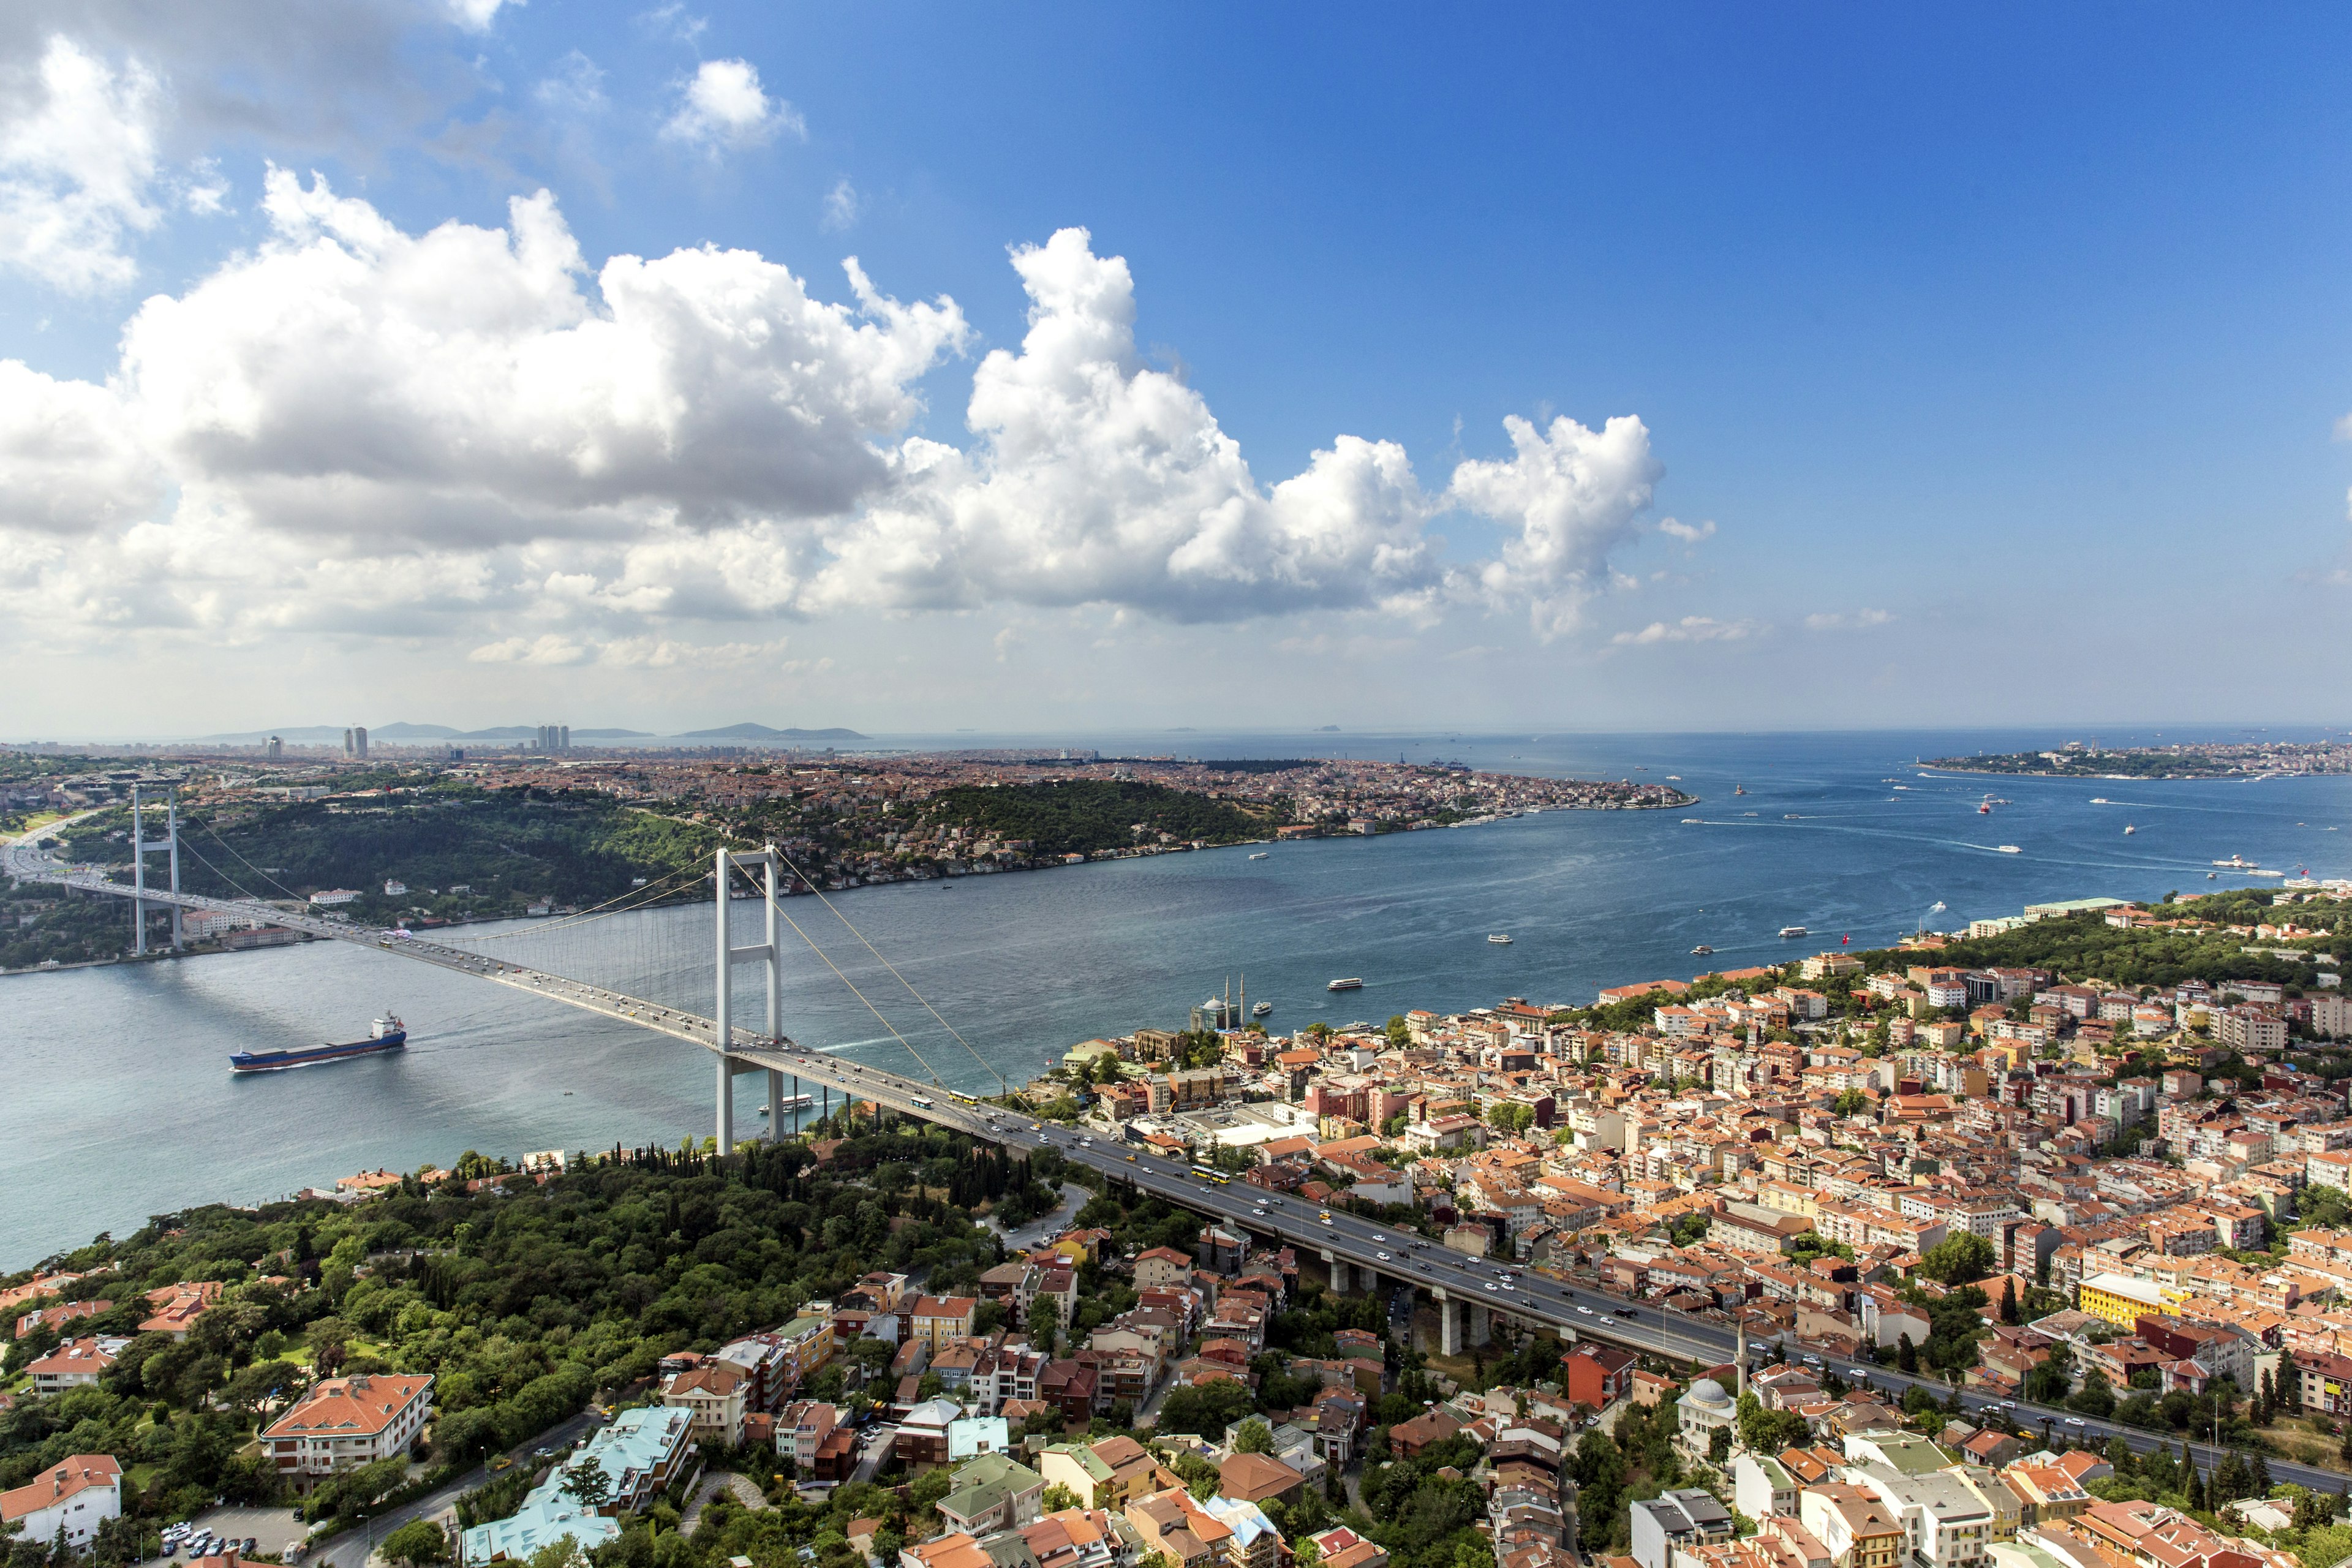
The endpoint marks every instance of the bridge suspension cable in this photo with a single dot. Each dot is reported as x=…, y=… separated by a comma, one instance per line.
x=619, y=904
x=1002, y=1087
x=779, y=907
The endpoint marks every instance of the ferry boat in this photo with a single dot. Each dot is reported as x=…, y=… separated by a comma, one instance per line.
x=386, y=1034
x=1348, y=985
x=1499, y=939
x=793, y=1102
x=1259, y=856
x=1702, y=949
x=2007, y=850
x=2237, y=863
x=1792, y=931
x=1261, y=1010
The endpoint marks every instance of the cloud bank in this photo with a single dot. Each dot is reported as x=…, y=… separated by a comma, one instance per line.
x=357, y=427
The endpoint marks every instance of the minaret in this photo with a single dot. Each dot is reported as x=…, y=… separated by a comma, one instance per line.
x=1739, y=1358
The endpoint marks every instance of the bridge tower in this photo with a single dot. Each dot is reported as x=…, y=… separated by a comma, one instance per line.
x=140, y=849
x=767, y=861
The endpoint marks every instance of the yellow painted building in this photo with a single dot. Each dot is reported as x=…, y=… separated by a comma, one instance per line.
x=2120, y=1299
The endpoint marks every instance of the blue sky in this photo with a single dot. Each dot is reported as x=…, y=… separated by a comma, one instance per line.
x=1987, y=364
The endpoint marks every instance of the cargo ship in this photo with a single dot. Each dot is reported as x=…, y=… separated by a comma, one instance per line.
x=386, y=1034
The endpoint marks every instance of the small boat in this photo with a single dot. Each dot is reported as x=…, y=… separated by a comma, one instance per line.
x=2210, y=875
x=1702, y=949
x=2236, y=863
x=2099, y=800
x=2007, y=850
x=1259, y=856
x=1673, y=778
x=1739, y=789
x=1499, y=939
x=1792, y=931
x=1261, y=1010
x=1790, y=816
x=1984, y=808
x=1694, y=822
x=1351, y=984
x=386, y=1034
x=2129, y=830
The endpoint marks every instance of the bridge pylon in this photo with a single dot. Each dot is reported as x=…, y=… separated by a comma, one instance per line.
x=140, y=849
x=767, y=862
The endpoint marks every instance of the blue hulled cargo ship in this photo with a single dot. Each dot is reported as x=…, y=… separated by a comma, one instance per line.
x=386, y=1034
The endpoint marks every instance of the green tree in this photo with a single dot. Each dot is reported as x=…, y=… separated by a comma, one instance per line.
x=1399, y=1032
x=1719, y=1445
x=587, y=1484
x=1849, y=1103
x=1253, y=1438
x=1059, y=1497
x=1511, y=1116
x=418, y=1543
x=1957, y=1260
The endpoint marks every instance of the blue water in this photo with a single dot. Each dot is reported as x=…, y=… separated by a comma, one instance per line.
x=120, y=1103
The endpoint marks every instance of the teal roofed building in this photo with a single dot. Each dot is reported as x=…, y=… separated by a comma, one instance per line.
x=641, y=1452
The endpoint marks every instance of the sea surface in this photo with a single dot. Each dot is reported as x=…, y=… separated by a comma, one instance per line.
x=120, y=1103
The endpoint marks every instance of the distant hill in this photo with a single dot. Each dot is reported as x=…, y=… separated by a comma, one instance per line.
x=762, y=732
x=611, y=734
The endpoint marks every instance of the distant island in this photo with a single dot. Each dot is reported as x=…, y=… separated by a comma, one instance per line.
x=2263, y=759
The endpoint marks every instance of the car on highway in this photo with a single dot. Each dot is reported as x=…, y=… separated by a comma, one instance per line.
x=1384, y=1257
x=1626, y=1312
x=1325, y=1219
x=1130, y=1159
x=1491, y=1286
x=2073, y=1421
x=1586, y=1311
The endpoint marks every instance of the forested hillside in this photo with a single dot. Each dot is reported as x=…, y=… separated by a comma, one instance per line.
x=506, y=848
x=522, y=1304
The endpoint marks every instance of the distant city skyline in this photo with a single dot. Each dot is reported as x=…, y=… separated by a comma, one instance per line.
x=1583, y=370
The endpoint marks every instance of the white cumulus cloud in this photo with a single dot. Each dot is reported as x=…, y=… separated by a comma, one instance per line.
x=1690, y=628
x=1575, y=494
x=1097, y=478
x=469, y=432
x=841, y=207
x=1854, y=620
x=78, y=167
x=723, y=106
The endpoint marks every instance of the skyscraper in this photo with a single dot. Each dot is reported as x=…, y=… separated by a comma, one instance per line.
x=273, y=748
x=355, y=743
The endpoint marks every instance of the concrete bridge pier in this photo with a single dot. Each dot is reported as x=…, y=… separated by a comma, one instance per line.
x=1449, y=1326
x=1339, y=1272
x=1481, y=1324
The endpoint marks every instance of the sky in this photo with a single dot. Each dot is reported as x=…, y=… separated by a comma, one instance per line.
x=1063, y=367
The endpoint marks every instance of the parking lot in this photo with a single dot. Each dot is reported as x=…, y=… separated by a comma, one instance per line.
x=273, y=1528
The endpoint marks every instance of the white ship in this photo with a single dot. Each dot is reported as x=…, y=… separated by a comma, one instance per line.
x=1792, y=931
x=1499, y=939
